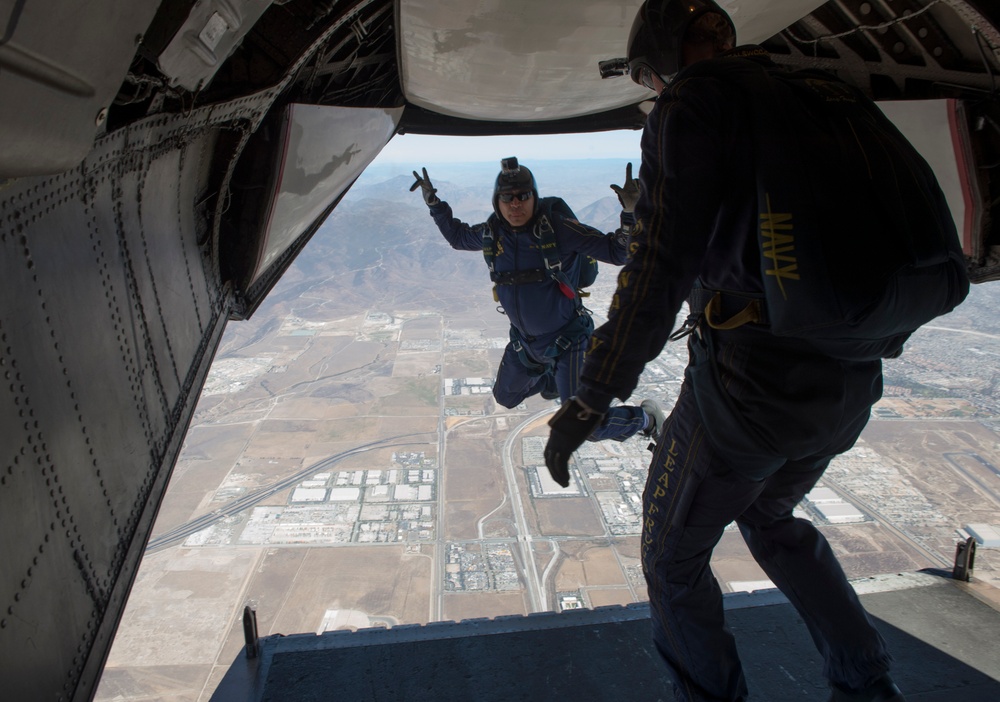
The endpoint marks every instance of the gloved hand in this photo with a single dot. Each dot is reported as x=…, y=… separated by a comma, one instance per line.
x=628, y=194
x=428, y=190
x=571, y=426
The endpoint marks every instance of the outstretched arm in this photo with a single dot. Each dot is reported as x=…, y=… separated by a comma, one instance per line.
x=616, y=247
x=460, y=235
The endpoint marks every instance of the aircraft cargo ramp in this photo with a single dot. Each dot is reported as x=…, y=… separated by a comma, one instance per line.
x=943, y=633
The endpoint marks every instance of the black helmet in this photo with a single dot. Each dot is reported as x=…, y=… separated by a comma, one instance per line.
x=658, y=31
x=512, y=177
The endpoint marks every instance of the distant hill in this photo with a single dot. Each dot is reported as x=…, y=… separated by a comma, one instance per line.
x=605, y=214
x=471, y=202
x=400, y=260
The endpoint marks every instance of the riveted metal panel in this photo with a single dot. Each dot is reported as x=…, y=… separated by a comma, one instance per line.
x=111, y=311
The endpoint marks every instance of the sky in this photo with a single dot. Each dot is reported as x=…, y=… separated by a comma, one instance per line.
x=418, y=148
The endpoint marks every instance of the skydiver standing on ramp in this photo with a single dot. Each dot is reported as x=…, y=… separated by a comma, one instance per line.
x=760, y=415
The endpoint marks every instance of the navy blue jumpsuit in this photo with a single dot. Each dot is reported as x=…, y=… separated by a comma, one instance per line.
x=540, y=313
x=758, y=418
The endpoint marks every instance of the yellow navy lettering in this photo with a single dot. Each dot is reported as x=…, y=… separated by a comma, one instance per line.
x=778, y=246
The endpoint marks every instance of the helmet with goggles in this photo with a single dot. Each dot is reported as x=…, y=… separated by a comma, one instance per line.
x=515, y=182
x=655, y=42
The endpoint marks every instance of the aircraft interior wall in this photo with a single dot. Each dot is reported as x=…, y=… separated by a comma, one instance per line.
x=110, y=314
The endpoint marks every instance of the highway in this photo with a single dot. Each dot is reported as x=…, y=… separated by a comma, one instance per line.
x=179, y=533
x=976, y=481
x=535, y=585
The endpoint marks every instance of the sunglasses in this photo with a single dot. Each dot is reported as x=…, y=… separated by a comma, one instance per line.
x=508, y=197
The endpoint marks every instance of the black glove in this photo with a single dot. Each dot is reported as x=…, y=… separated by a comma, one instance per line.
x=426, y=189
x=628, y=194
x=571, y=426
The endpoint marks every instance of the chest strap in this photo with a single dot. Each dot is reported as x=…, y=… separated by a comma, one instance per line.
x=545, y=234
x=531, y=275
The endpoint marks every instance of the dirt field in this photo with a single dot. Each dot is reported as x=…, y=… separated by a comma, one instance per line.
x=184, y=596
x=333, y=355
x=407, y=424
x=468, y=364
x=315, y=408
x=164, y=683
x=602, y=597
x=413, y=364
x=339, y=579
x=567, y=516
x=587, y=565
x=283, y=440
x=467, y=605
x=421, y=328
x=402, y=396
x=472, y=478
x=336, y=577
